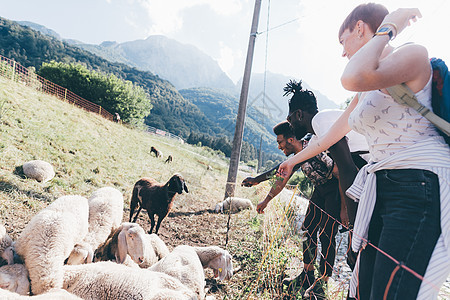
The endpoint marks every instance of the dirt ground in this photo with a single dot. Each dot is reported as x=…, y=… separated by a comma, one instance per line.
x=198, y=225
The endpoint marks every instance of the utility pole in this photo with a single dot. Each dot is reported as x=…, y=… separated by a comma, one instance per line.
x=258, y=169
x=239, y=130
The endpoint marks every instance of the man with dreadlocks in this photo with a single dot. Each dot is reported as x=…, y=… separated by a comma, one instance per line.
x=347, y=153
x=322, y=213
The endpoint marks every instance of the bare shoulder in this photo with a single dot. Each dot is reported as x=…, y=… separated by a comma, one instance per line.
x=411, y=49
x=408, y=64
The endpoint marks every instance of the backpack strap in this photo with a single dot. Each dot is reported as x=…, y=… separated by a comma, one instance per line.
x=402, y=94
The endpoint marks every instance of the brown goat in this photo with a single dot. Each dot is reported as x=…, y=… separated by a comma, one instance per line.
x=156, y=198
x=155, y=151
x=169, y=159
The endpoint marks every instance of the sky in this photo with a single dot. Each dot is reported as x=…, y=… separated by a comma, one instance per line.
x=294, y=38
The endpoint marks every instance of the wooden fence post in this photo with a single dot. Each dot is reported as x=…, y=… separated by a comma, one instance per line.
x=13, y=70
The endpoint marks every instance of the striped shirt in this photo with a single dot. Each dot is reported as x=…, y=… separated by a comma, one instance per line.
x=431, y=154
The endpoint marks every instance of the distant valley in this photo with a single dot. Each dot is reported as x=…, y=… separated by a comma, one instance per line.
x=201, y=82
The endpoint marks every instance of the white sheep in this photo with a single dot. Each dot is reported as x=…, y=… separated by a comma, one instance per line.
x=127, y=239
x=39, y=170
x=155, y=250
x=54, y=294
x=186, y=263
x=105, y=215
x=237, y=204
x=217, y=259
x=14, y=278
x=48, y=239
x=6, y=251
x=109, y=280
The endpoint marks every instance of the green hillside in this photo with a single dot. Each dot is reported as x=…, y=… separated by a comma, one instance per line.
x=89, y=152
x=170, y=112
x=220, y=106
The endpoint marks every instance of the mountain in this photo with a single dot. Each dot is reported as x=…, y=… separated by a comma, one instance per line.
x=40, y=28
x=222, y=107
x=183, y=65
x=170, y=112
x=172, y=60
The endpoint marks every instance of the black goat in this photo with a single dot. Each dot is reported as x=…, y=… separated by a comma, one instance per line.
x=156, y=198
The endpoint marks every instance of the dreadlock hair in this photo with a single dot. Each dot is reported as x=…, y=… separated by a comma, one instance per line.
x=285, y=129
x=301, y=99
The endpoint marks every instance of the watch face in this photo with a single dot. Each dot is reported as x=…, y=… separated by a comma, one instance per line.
x=384, y=29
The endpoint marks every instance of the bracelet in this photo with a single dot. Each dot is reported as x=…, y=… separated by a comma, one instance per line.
x=393, y=25
x=384, y=31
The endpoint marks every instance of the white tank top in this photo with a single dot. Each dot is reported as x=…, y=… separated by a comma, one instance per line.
x=390, y=127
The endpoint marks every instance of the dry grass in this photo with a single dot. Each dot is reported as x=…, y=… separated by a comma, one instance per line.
x=89, y=152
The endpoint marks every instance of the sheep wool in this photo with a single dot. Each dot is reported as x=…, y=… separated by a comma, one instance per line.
x=5, y=246
x=128, y=239
x=156, y=249
x=217, y=259
x=184, y=264
x=14, y=278
x=54, y=294
x=109, y=280
x=105, y=215
x=237, y=204
x=48, y=239
x=39, y=170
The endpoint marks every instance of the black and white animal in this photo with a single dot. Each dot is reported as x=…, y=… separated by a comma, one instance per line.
x=156, y=198
x=169, y=159
x=155, y=151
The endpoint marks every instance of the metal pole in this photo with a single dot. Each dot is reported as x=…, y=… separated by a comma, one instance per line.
x=239, y=130
x=259, y=156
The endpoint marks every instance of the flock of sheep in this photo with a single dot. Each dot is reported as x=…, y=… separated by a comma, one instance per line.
x=79, y=248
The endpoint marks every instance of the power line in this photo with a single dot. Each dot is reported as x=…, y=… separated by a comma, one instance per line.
x=278, y=26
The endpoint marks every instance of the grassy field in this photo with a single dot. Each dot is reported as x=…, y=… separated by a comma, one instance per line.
x=89, y=152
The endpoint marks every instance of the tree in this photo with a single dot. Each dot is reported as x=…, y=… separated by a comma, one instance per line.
x=108, y=91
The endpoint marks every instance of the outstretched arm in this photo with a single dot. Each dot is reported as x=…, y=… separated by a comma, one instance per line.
x=280, y=183
x=251, y=181
x=337, y=131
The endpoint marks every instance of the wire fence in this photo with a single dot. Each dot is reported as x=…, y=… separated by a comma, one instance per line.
x=163, y=133
x=15, y=72
x=282, y=247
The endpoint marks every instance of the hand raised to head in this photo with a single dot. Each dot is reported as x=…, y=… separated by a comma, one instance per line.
x=402, y=18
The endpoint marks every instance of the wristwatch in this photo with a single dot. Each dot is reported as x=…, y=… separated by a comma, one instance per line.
x=385, y=31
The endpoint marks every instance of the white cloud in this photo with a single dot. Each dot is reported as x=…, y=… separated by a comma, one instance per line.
x=166, y=17
x=224, y=7
x=226, y=59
